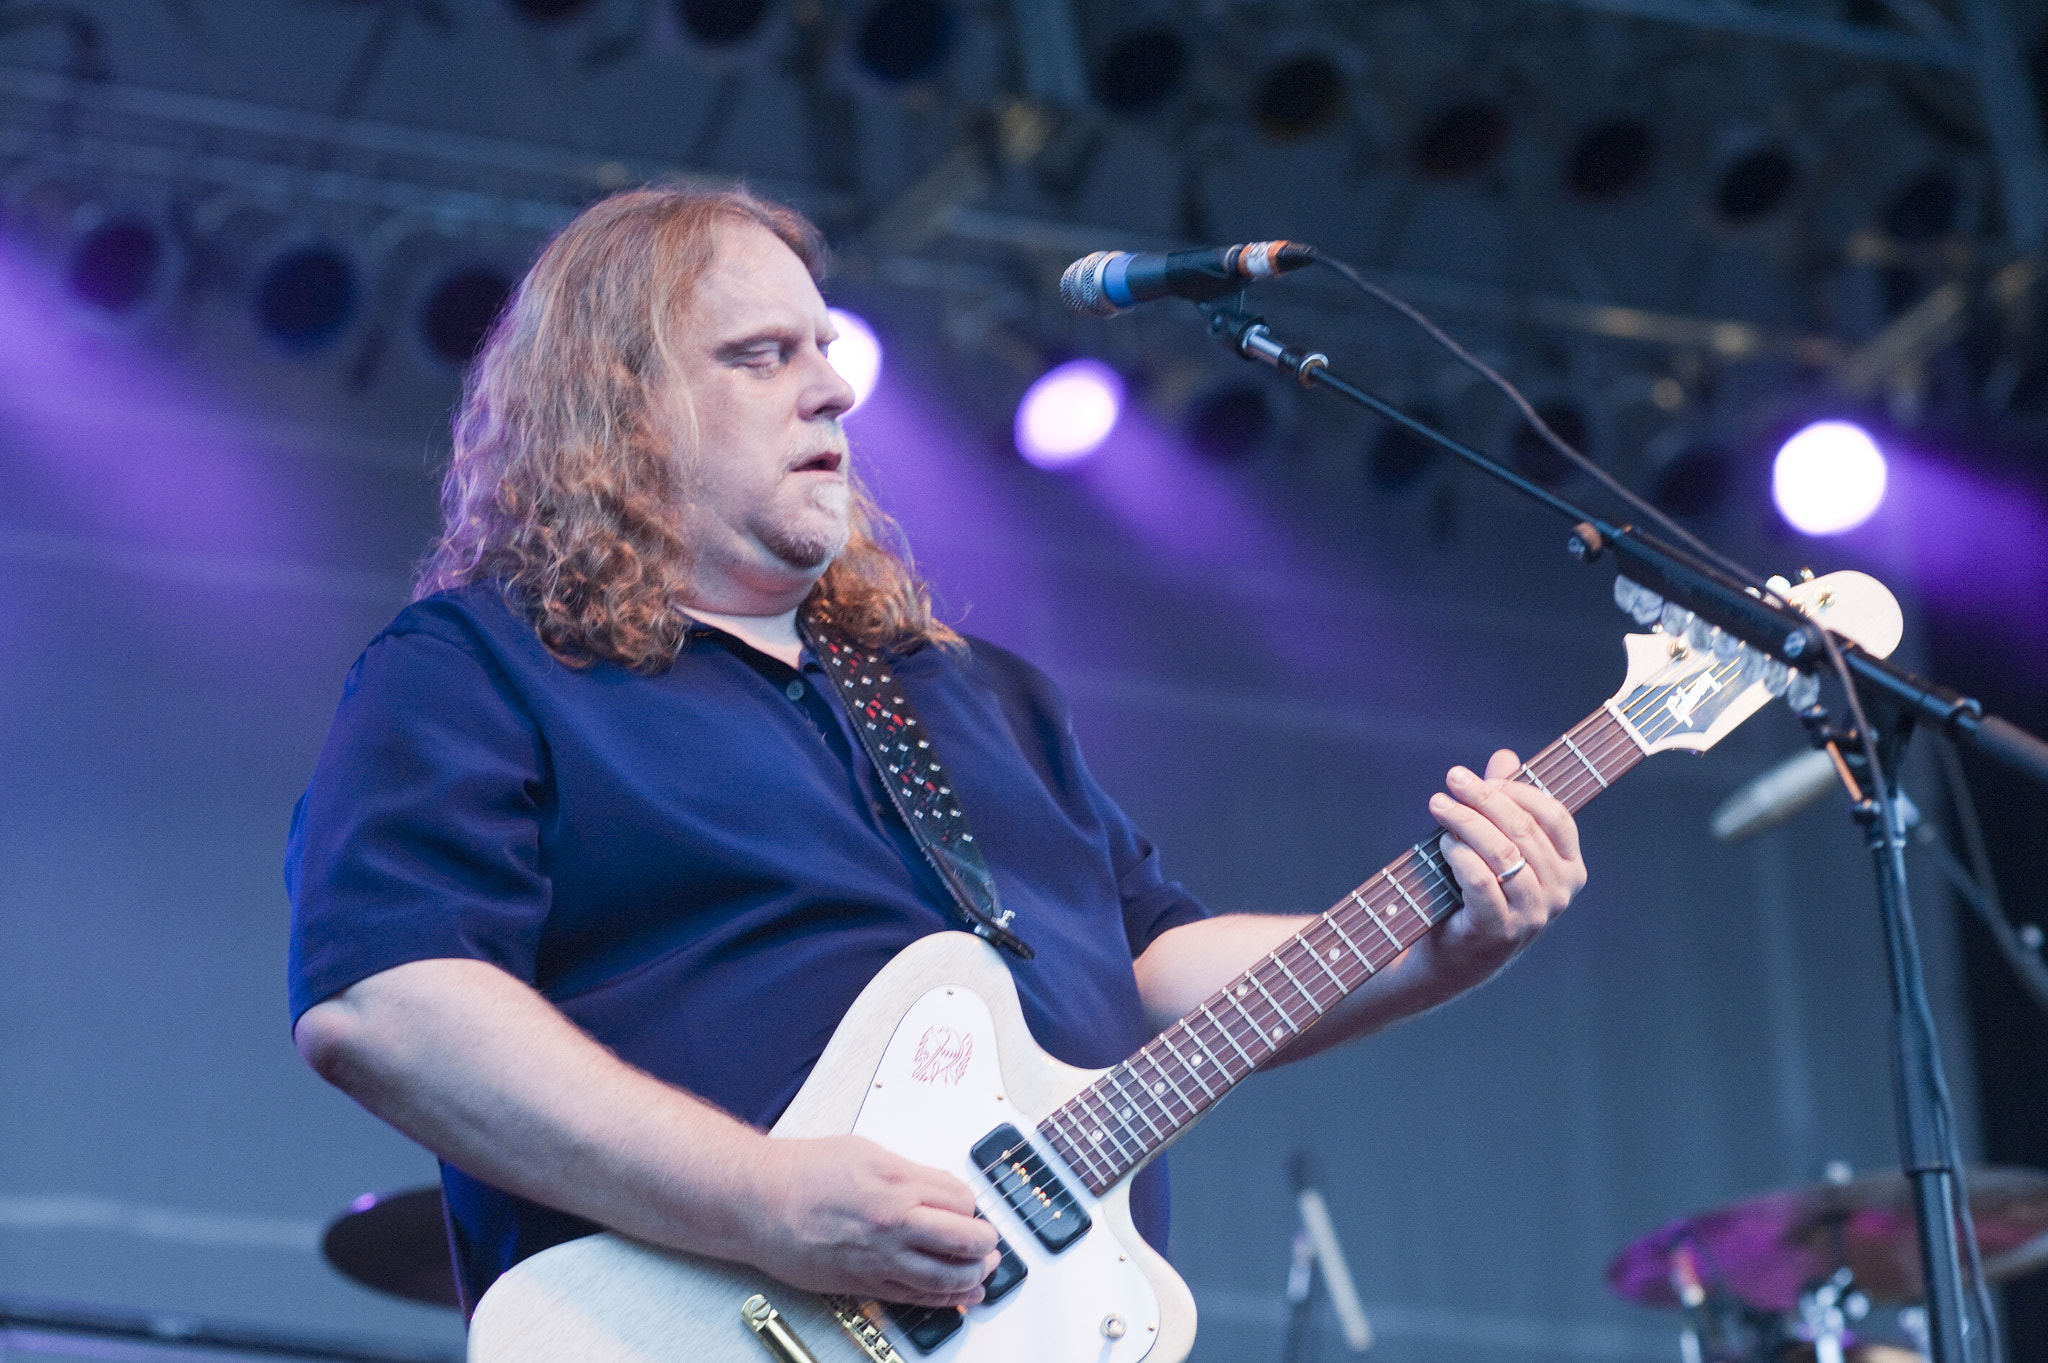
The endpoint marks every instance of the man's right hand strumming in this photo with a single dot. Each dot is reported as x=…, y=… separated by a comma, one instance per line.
x=482, y=1070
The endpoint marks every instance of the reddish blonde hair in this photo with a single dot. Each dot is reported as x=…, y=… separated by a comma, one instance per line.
x=561, y=484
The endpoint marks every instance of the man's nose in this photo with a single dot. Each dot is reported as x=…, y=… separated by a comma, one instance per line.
x=828, y=394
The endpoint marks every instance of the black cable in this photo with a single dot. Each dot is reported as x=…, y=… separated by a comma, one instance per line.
x=1919, y=1012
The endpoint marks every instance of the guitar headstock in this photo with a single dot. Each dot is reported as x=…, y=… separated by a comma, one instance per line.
x=1689, y=684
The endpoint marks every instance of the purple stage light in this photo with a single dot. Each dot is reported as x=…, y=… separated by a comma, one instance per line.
x=856, y=354
x=1828, y=478
x=1068, y=413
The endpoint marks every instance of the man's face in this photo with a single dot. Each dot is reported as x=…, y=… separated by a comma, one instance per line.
x=766, y=461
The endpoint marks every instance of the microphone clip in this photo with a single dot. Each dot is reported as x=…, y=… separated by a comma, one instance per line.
x=1250, y=337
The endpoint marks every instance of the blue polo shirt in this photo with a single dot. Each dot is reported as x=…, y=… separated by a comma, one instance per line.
x=698, y=868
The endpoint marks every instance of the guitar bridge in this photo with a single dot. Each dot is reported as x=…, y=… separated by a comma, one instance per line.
x=864, y=1331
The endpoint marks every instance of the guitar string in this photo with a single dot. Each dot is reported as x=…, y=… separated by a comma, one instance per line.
x=1580, y=761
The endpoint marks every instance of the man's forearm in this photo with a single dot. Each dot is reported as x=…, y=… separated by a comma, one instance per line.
x=481, y=1070
x=477, y=1067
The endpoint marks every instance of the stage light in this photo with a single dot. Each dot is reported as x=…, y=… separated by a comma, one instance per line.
x=1299, y=98
x=1140, y=71
x=1695, y=482
x=1460, y=140
x=904, y=41
x=1067, y=414
x=1755, y=186
x=1536, y=457
x=1230, y=422
x=857, y=354
x=1398, y=456
x=1612, y=158
x=117, y=265
x=460, y=310
x=549, y=11
x=721, y=23
x=1828, y=478
x=306, y=297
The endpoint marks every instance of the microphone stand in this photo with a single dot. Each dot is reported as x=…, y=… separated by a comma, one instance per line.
x=1920, y=1089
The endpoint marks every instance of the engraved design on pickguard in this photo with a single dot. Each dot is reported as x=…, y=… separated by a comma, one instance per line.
x=942, y=1056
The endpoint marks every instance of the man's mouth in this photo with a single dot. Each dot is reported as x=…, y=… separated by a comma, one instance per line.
x=824, y=461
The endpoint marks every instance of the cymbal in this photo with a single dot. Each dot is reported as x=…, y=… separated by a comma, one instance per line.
x=1768, y=1249
x=396, y=1243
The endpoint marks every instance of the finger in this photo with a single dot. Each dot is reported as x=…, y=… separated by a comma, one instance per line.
x=1548, y=811
x=1507, y=812
x=1556, y=821
x=948, y=1236
x=1489, y=846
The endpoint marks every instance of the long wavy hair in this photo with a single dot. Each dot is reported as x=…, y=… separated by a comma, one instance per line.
x=562, y=486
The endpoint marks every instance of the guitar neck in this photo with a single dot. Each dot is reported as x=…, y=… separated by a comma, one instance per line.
x=1137, y=1107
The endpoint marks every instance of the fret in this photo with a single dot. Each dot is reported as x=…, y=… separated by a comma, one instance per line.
x=1314, y=1005
x=1292, y=1025
x=1433, y=861
x=1076, y=1155
x=1567, y=741
x=1102, y=1132
x=1095, y=1167
x=1133, y=1106
x=1163, y=1084
x=1106, y=1123
x=1363, y=959
x=1317, y=957
x=1379, y=922
x=1250, y=1064
x=1236, y=1000
x=1402, y=890
x=1166, y=1040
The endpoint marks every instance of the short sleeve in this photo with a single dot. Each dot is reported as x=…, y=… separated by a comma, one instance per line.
x=1042, y=721
x=418, y=837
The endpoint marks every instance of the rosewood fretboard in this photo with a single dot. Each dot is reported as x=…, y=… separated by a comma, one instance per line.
x=1137, y=1107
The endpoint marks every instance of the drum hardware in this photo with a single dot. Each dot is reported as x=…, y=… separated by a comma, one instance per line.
x=396, y=1243
x=1792, y=1276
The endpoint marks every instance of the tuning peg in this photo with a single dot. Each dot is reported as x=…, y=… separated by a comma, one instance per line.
x=1642, y=604
x=1802, y=691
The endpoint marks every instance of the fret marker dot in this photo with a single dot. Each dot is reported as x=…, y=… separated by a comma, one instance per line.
x=1243, y=989
x=1127, y=1112
x=1196, y=1063
x=1333, y=953
x=1098, y=1138
x=1159, y=1087
x=1279, y=1034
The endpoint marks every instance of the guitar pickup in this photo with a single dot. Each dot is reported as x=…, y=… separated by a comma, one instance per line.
x=1031, y=1188
x=930, y=1326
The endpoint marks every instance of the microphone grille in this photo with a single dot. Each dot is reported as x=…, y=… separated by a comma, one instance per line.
x=1081, y=286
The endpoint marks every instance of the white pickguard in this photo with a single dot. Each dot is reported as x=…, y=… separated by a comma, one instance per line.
x=938, y=1090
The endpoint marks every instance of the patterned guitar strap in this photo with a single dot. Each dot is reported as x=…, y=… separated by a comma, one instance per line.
x=918, y=786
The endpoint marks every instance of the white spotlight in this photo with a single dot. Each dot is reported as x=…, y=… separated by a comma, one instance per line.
x=1067, y=414
x=857, y=354
x=1828, y=478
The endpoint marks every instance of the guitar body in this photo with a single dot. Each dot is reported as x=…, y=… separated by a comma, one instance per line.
x=932, y=1057
x=934, y=1060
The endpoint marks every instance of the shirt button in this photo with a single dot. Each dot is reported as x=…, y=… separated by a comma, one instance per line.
x=795, y=690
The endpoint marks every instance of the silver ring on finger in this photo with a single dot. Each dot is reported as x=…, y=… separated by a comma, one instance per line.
x=1503, y=877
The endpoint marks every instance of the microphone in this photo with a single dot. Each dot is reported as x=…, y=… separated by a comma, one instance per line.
x=1775, y=796
x=1109, y=282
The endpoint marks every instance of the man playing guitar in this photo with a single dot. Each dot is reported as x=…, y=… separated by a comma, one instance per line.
x=592, y=862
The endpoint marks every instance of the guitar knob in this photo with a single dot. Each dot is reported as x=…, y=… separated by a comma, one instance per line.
x=1113, y=1326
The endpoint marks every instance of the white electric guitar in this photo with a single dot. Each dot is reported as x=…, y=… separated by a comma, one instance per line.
x=934, y=1062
